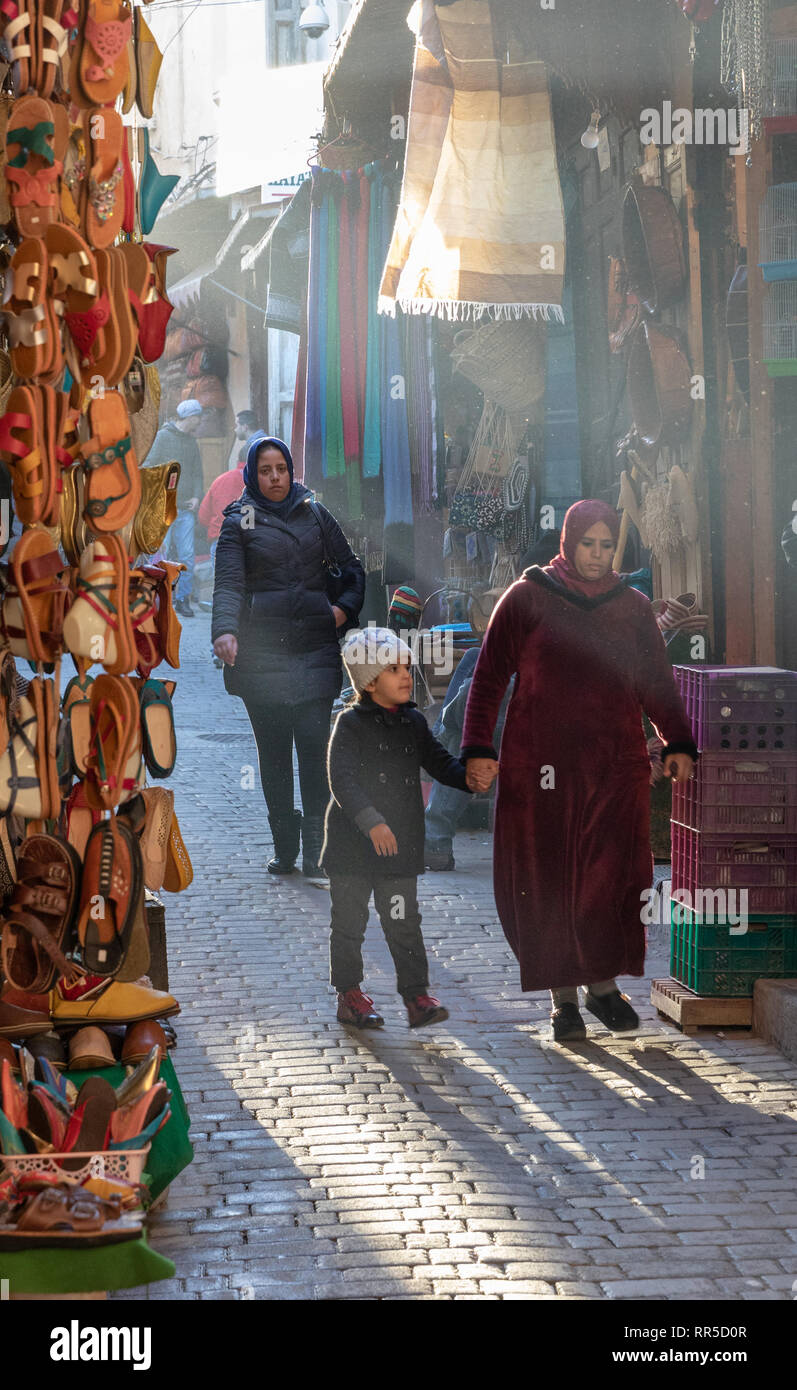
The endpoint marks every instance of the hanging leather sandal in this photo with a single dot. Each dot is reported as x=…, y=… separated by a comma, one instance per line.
x=37, y=924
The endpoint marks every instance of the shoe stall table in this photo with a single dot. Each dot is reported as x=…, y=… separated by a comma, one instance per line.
x=172, y=1149
x=61, y=1273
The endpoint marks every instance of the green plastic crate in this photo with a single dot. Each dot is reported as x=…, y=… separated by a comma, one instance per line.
x=709, y=960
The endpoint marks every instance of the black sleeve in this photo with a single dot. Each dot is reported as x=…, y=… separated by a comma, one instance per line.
x=345, y=761
x=229, y=593
x=352, y=572
x=438, y=762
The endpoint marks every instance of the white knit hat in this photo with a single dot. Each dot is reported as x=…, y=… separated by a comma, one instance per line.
x=368, y=651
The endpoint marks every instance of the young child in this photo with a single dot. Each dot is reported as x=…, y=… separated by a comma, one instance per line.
x=375, y=825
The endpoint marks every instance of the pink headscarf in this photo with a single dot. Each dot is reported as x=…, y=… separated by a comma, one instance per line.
x=578, y=520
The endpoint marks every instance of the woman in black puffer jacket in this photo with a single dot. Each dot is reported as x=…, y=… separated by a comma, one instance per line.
x=277, y=633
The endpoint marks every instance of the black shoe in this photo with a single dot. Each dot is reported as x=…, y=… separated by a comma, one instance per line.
x=312, y=842
x=206, y=605
x=425, y=1009
x=285, y=834
x=614, y=1011
x=356, y=1008
x=183, y=607
x=439, y=861
x=568, y=1025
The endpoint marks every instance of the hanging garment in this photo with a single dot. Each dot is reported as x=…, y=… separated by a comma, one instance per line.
x=395, y=435
x=361, y=285
x=312, y=404
x=372, y=429
x=419, y=409
x=346, y=313
x=299, y=404
x=333, y=458
x=480, y=227
x=289, y=251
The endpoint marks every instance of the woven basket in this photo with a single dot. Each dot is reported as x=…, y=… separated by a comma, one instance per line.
x=506, y=360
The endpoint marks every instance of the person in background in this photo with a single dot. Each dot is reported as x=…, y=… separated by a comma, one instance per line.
x=788, y=542
x=175, y=441
x=374, y=826
x=223, y=490
x=446, y=805
x=245, y=427
x=276, y=629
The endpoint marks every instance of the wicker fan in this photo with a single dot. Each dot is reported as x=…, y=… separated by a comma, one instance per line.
x=506, y=360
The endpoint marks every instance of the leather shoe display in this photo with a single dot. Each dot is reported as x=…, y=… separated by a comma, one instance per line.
x=111, y=1002
x=21, y=1023
x=90, y=1049
x=140, y=1040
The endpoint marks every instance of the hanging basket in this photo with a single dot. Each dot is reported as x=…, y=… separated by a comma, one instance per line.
x=506, y=360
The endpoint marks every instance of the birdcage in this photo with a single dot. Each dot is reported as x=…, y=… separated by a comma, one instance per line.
x=777, y=232
x=780, y=329
x=782, y=114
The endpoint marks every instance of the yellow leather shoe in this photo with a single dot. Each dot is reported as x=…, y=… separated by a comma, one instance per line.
x=148, y=65
x=112, y=1003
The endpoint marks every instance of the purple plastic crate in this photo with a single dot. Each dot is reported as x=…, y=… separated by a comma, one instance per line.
x=740, y=793
x=740, y=708
x=767, y=868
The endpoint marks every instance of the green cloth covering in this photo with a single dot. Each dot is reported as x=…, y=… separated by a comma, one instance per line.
x=171, y=1150
x=335, y=458
x=125, y=1265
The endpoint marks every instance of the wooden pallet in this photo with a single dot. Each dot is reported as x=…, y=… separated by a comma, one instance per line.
x=692, y=1011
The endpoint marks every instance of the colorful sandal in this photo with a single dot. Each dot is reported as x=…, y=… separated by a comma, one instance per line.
x=104, y=208
x=38, y=921
x=113, y=484
x=31, y=318
x=154, y=315
x=32, y=169
x=27, y=449
x=157, y=727
x=115, y=751
x=158, y=508
x=148, y=65
x=97, y=626
x=153, y=186
x=36, y=598
x=102, y=60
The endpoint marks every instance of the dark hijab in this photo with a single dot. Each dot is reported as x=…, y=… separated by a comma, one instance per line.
x=578, y=520
x=278, y=509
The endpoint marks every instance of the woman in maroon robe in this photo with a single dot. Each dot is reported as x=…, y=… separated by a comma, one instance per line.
x=572, y=851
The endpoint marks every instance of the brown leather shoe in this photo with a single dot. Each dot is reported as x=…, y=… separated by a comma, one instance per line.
x=90, y=1048
x=140, y=1039
x=21, y=1023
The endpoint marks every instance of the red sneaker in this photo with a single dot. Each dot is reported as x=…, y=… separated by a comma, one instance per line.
x=425, y=1009
x=356, y=1008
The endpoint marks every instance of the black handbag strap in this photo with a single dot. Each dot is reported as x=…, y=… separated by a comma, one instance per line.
x=330, y=563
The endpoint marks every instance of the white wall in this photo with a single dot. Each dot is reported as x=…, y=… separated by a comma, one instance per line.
x=201, y=47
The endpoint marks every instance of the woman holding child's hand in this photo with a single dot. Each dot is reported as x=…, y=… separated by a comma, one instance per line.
x=572, y=843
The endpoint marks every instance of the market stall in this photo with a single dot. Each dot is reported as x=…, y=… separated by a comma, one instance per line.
x=93, y=1126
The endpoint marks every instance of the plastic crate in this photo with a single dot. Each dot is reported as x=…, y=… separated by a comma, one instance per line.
x=740, y=708
x=739, y=793
x=709, y=959
x=126, y=1164
x=767, y=869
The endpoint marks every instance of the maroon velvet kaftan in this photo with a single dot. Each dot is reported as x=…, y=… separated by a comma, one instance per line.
x=571, y=846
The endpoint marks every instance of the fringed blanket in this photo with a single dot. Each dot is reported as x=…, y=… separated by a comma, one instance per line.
x=480, y=225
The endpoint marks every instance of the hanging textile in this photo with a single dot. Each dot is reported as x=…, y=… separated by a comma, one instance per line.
x=394, y=417
x=289, y=250
x=333, y=458
x=299, y=404
x=420, y=422
x=372, y=430
x=313, y=472
x=480, y=227
x=348, y=342
x=361, y=284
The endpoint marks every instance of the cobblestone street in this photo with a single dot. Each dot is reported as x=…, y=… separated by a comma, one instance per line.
x=473, y=1161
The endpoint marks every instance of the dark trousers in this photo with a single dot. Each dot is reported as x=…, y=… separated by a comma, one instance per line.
x=276, y=729
x=396, y=901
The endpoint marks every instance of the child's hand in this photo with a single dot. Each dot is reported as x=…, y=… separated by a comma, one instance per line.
x=383, y=839
x=481, y=773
